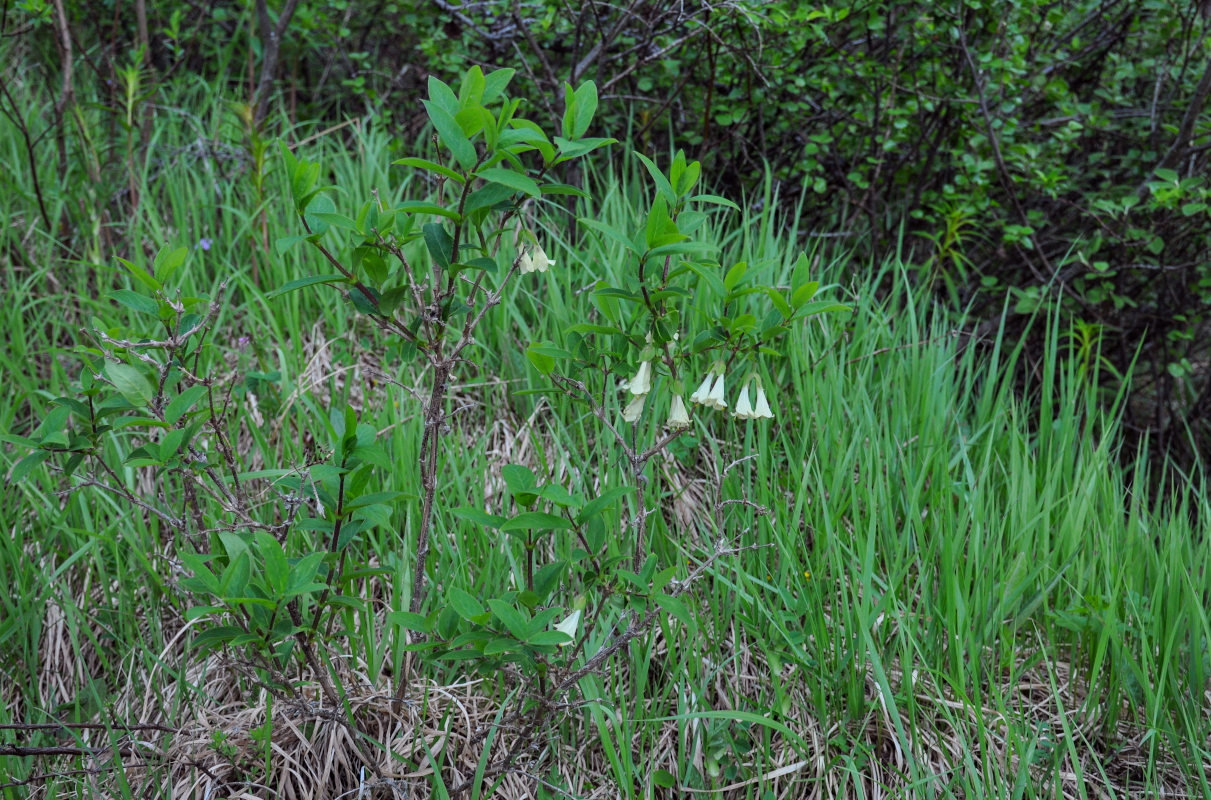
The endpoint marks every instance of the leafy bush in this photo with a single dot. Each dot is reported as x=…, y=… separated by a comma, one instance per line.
x=1045, y=154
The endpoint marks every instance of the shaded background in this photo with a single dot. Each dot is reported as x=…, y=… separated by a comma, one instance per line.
x=1020, y=157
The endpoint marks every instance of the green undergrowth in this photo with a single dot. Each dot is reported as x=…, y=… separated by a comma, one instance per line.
x=956, y=592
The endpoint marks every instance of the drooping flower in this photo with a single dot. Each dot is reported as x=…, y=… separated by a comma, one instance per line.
x=634, y=408
x=715, y=398
x=701, y=394
x=533, y=259
x=678, y=417
x=569, y=626
x=762, y=409
x=744, y=408
x=642, y=382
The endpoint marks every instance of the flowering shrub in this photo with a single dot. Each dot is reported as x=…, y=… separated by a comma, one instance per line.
x=426, y=272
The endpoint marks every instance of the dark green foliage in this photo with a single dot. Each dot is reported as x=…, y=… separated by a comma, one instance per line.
x=1044, y=155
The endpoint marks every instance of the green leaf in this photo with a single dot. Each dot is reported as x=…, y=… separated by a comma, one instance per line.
x=478, y=517
x=26, y=465
x=514, y=180
x=536, y=520
x=421, y=207
x=471, y=90
x=273, y=560
x=613, y=291
x=215, y=637
x=500, y=645
x=374, y=498
x=489, y=195
x=513, y=619
x=586, y=107
x=563, y=189
x=543, y=355
x=663, y=186
x=689, y=178
x=442, y=95
x=430, y=166
x=172, y=441
x=135, y=301
x=234, y=581
x=574, y=149
x=485, y=264
x=600, y=504
x=734, y=275
x=714, y=199
x=519, y=478
x=466, y=606
x=180, y=405
x=141, y=275
x=451, y=134
x=784, y=311
x=542, y=362
x=410, y=621
x=439, y=243
x=709, y=275
x=130, y=383
x=569, y=111
x=167, y=262
x=495, y=83
x=546, y=638
x=302, y=283
x=664, y=779
x=804, y=293
x=586, y=327
x=317, y=206
x=336, y=221
x=304, y=572
x=365, y=304
x=287, y=242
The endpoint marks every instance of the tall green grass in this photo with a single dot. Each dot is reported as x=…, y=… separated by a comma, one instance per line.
x=957, y=592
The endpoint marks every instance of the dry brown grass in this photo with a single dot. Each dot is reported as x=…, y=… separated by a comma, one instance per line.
x=218, y=751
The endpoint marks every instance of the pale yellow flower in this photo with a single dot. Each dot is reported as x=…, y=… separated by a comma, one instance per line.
x=701, y=394
x=533, y=259
x=715, y=398
x=642, y=382
x=569, y=626
x=744, y=407
x=761, y=409
x=678, y=417
x=634, y=408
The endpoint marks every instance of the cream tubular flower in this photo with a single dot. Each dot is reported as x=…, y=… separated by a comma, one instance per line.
x=701, y=394
x=744, y=408
x=569, y=626
x=533, y=259
x=715, y=398
x=678, y=417
x=642, y=382
x=634, y=408
x=762, y=409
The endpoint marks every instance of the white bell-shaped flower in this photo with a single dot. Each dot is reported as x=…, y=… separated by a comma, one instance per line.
x=762, y=410
x=715, y=398
x=570, y=625
x=533, y=259
x=634, y=408
x=678, y=416
x=642, y=382
x=744, y=406
x=701, y=394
